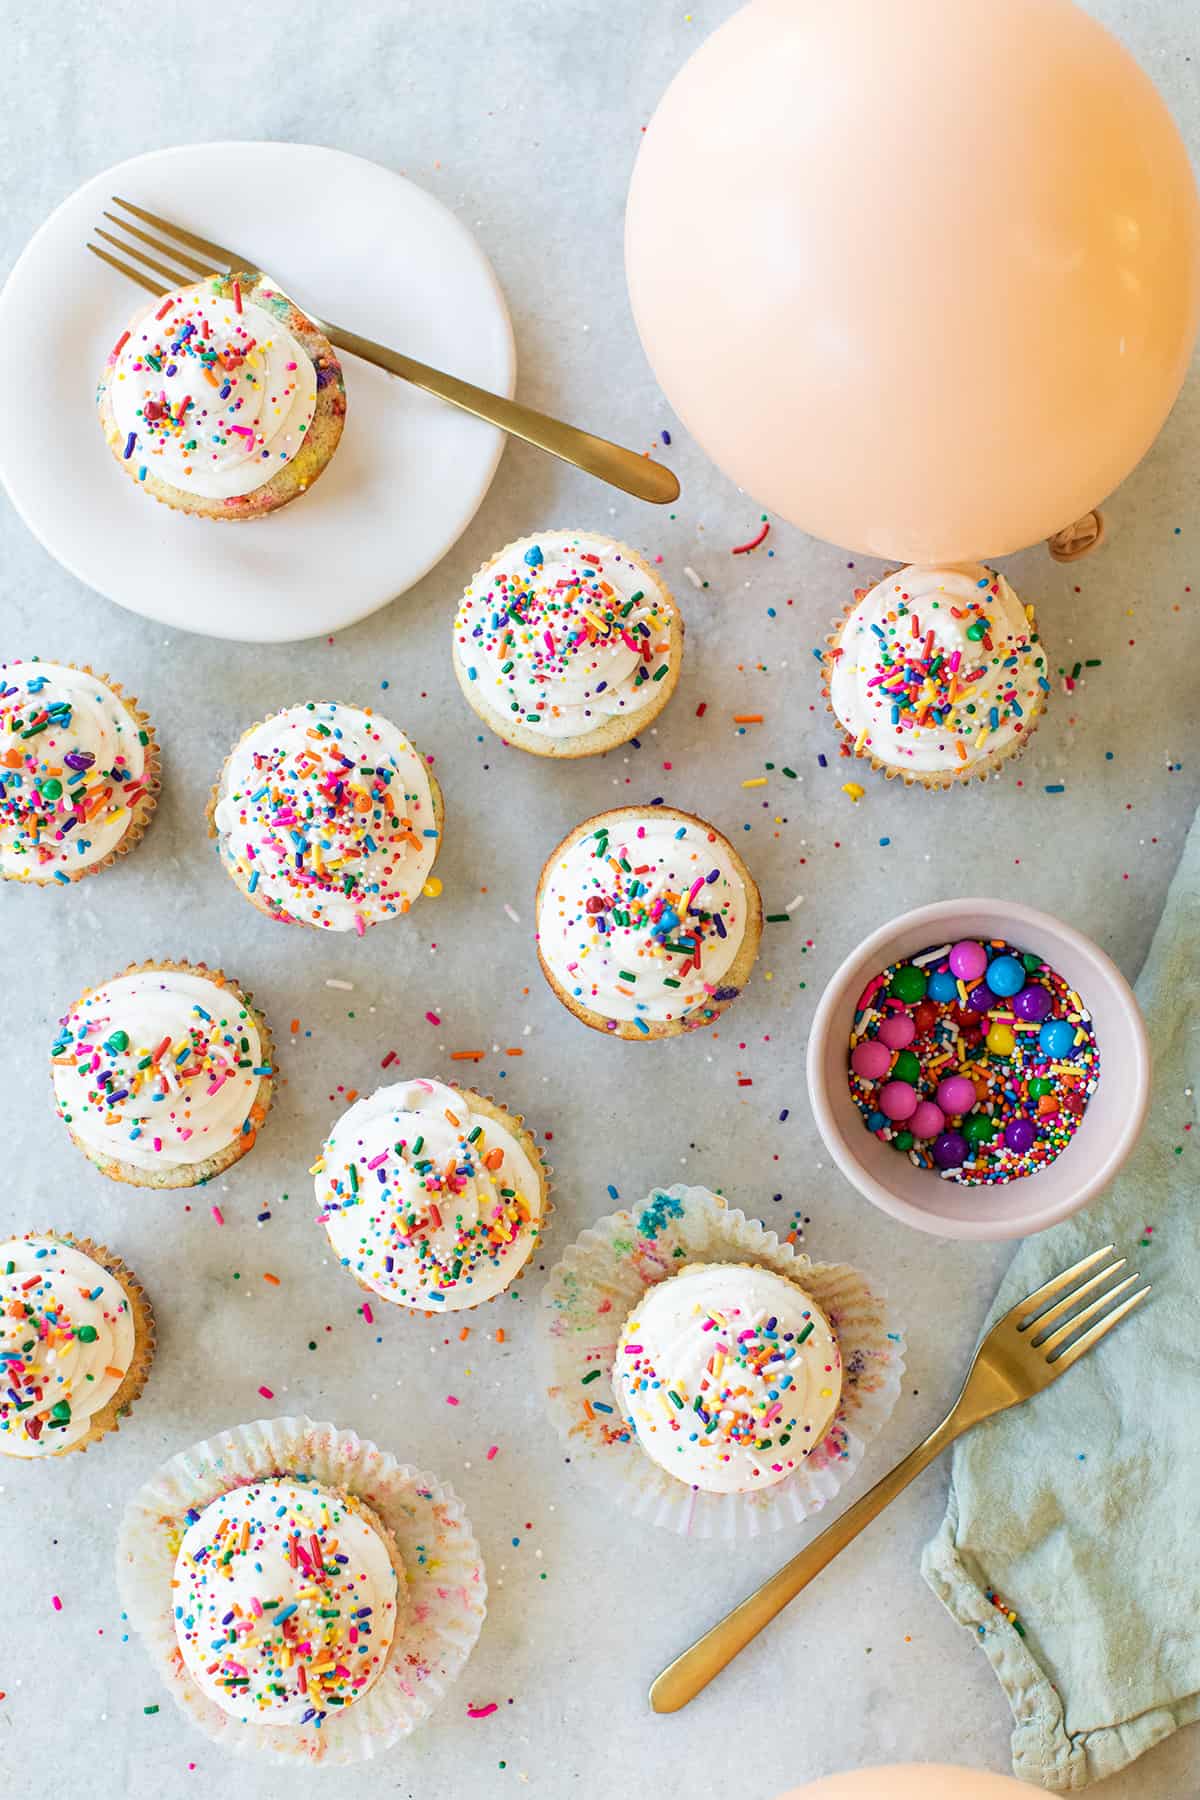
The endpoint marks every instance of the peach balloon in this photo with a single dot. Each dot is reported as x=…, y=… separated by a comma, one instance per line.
x=913, y=1781
x=923, y=276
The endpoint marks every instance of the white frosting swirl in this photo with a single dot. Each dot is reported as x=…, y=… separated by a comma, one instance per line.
x=325, y=814
x=563, y=632
x=210, y=398
x=66, y=1342
x=285, y=1602
x=73, y=769
x=159, y=1068
x=729, y=1375
x=629, y=909
x=935, y=669
x=430, y=1203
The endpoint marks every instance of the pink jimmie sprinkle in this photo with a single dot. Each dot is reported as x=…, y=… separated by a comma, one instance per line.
x=481, y=1712
x=243, y=431
x=493, y=1452
x=433, y=1018
x=451, y=1400
x=218, y=1215
x=368, y=1315
x=267, y=1393
x=56, y=1603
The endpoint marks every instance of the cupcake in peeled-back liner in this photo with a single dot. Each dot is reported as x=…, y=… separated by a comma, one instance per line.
x=648, y=922
x=567, y=644
x=222, y=399
x=164, y=1074
x=326, y=815
x=78, y=772
x=729, y=1374
x=76, y=1340
x=434, y=1197
x=936, y=675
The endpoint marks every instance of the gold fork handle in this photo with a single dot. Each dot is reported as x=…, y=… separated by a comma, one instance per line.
x=637, y=475
x=689, y=1673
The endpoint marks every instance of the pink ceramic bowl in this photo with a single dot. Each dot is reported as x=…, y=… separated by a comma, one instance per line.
x=1010, y=1209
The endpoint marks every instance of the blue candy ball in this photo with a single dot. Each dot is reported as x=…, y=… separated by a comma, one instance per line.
x=1005, y=976
x=1056, y=1039
x=942, y=987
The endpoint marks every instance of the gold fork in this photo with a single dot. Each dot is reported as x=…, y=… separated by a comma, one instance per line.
x=1023, y=1353
x=190, y=256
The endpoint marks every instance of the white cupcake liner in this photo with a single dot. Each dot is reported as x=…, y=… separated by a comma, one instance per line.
x=441, y=1611
x=595, y=1287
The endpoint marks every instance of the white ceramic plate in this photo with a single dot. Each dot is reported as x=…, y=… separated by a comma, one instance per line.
x=364, y=247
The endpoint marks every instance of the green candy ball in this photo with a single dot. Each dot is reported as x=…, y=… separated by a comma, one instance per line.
x=1041, y=1084
x=979, y=1129
x=908, y=984
x=906, y=1067
x=903, y=1140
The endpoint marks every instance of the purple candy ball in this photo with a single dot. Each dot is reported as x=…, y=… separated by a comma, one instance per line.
x=950, y=1151
x=1019, y=1135
x=871, y=1060
x=981, y=999
x=968, y=960
x=1033, y=1004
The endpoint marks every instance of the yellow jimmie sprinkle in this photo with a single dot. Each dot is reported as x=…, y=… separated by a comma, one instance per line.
x=854, y=790
x=756, y=781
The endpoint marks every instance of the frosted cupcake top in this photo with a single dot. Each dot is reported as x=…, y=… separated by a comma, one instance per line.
x=729, y=1375
x=66, y=1342
x=641, y=918
x=563, y=632
x=325, y=814
x=285, y=1602
x=430, y=1203
x=73, y=767
x=211, y=394
x=158, y=1068
x=935, y=669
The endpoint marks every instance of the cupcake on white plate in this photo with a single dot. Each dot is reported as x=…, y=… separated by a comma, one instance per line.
x=434, y=1197
x=326, y=815
x=567, y=643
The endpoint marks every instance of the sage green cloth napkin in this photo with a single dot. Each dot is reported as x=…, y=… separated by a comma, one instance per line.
x=1080, y=1509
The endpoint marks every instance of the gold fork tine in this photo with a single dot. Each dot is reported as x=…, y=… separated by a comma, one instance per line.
x=1045, y=1320
x=1071, y=1326
x=192, y=262
x=114, y=262
x=173, y=277
x=1084, y=1344
x=228, y=259
x=1050, y=1289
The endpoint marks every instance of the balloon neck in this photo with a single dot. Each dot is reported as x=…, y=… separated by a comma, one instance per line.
x=1079, y=539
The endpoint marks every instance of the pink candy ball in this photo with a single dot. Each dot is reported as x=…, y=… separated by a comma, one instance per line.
x=897, y=1031
x=929, y=1121
x=968, y=960
x=956, y=1094
x=898, y=1099
x=870, y=1059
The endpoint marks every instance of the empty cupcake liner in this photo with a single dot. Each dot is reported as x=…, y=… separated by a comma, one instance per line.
x=440, y=1615
x=598, y=1283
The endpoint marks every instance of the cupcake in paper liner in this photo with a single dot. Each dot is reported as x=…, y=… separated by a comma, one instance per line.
x=567, y=644
x=163, y=1075
x=79, y=772
x=76, y=1342
x=222, y=399
x=305, y=1597
x=937, y=676
x=326, y=815
x=717, y=1382
x=648, y=922
x=434, y=1197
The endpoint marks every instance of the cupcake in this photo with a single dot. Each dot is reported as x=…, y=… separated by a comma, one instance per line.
x=326, y=815
x=287, y=1601
x=936, y=675
x=729, y=1375
x=163, y=1075
x=648, y=922
x=305, y=1597
x=78, y=772
x=76, y=1341
x=222, y=399
x=567, y=644
x=432, y=1196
